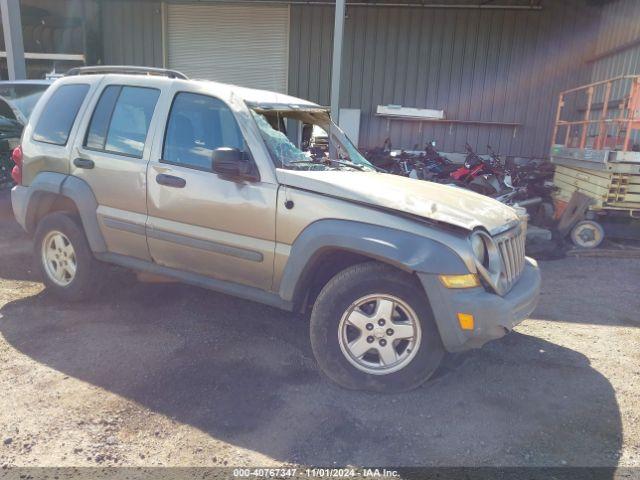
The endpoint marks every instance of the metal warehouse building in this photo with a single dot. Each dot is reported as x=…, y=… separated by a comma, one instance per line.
x=494, y=67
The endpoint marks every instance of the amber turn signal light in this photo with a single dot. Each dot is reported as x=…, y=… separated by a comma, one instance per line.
x=466, y=321
x=469, y=280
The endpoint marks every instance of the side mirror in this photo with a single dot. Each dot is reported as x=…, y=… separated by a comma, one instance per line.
x=232, y=163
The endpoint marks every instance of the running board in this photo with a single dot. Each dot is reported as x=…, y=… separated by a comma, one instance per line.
x=229, y=288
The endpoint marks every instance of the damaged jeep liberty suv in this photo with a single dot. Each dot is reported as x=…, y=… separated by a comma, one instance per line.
x=229, y=188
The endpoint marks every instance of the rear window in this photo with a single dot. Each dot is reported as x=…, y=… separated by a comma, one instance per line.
x=59, y=114
x=121, y=120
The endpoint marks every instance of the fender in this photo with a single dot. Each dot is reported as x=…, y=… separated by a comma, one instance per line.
x=407, y=251
x=28, y=201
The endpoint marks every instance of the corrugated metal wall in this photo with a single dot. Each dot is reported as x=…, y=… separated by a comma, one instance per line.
x=619, y=26
x=616, y=53
x=492, y=65
x=132, y=32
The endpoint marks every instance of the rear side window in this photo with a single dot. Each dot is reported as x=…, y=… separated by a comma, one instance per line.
x=97, y=132
x=121, y=120
x=56, y=120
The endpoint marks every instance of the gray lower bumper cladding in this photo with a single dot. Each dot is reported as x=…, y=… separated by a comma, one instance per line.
x=494, y=315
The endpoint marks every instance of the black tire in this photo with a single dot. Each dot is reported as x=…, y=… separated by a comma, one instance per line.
x=335, y=298
x=89, y=271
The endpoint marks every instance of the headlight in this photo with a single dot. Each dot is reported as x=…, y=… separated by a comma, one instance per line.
x=487, y=257
x=478, y=247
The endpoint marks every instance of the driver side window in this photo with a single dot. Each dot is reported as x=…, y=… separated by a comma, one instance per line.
x=197, y=125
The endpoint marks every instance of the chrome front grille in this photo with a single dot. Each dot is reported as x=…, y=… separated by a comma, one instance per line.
x=511, y=247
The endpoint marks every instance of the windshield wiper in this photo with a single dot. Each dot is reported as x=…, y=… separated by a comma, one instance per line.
x=348, y=164
x=328, y=163
x=304, y=162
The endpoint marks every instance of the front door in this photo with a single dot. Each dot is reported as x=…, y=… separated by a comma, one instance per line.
x=198, y=221
x=112, y=158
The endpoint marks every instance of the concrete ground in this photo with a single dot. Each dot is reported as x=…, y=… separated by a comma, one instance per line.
x=164, y=374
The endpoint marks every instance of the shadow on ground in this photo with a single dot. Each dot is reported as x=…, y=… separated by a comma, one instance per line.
x=244, y=374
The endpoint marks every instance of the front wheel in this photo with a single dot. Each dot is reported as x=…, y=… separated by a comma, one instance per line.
x=372, y=329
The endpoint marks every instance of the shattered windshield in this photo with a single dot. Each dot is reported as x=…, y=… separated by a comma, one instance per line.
x=299, y=139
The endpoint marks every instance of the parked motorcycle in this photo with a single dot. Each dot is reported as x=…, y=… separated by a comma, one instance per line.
x=434, y=166
x=533, y=182
x=381, y=157
x=526, y=185
x=474, y=174
x=396, y=162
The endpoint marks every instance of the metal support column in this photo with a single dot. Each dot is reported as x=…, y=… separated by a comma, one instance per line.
x=338, y=30
x=12, y=26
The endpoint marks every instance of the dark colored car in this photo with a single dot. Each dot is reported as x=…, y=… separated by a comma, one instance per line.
x=17, y=99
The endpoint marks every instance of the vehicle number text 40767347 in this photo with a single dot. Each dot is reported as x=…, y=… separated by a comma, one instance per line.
x=312, y=472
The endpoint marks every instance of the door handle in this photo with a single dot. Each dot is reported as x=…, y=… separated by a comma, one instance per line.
x=84, y=163
x=170, y=180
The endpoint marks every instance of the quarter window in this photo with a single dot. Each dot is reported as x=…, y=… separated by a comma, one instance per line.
x=121, y=120
x=197, y=125
x=97, y=134
x=58, y=115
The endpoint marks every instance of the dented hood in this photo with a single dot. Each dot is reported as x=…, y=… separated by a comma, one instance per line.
x=433, y=201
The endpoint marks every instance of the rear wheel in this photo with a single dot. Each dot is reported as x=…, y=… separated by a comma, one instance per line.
x=64, y=258
x=372, y=329
x=58, y=258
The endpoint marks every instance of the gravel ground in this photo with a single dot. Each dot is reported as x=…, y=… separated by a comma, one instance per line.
x=164, y=374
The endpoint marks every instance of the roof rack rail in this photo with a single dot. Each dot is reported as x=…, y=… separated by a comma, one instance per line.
x=126, y=69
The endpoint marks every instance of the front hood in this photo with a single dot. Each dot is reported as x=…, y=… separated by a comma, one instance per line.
x=442, y=203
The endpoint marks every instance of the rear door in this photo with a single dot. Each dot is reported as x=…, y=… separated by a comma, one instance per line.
x=112, y=156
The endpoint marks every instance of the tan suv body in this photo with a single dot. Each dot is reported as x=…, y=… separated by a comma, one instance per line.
x=211, y=184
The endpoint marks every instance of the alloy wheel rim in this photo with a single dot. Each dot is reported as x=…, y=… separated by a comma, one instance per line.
x=59, y=258
x=379, y=334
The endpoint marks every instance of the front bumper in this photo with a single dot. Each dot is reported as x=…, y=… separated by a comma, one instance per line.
x=494, y=315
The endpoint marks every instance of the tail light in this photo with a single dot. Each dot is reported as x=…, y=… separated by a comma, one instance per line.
x=16, y=172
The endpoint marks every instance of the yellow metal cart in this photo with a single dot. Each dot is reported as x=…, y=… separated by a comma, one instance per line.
x=596, y=138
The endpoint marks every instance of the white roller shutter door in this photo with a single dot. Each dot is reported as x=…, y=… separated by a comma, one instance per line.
x=246, y=45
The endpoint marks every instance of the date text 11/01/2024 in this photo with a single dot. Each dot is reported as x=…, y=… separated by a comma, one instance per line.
x=314, y=472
